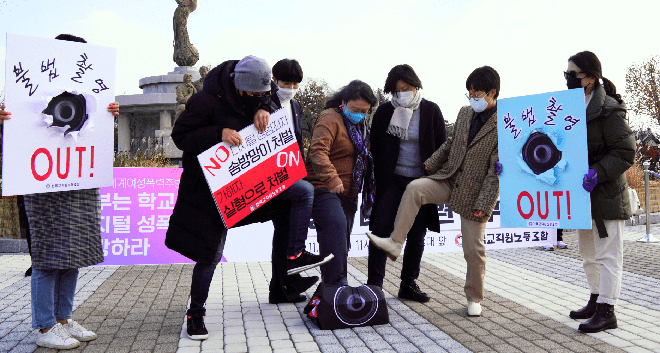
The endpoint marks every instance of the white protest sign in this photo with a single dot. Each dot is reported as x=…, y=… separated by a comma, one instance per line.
x=243, y=178
x=60, y=136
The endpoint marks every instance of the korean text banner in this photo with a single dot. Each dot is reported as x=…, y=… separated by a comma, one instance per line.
x=135, y=214
x=61, y=134
x=243, y=178
x=543, y=150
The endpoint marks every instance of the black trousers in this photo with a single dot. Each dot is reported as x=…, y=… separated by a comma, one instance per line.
x=382, y=224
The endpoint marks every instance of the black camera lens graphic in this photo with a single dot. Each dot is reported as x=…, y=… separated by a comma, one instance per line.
x=68, y=109
x=355, y=305
x=540, y=153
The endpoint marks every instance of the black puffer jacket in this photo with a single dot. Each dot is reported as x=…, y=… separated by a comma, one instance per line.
x=196, y=229
x=611, y=145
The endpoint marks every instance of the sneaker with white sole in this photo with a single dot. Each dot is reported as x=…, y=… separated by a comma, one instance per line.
x=57, y=337
x=561, y=245
x=548, y=247
x=474, y=309
x=78, y=332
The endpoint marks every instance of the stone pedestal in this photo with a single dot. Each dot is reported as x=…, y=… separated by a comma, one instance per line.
x=169, y=148
x=149, y=115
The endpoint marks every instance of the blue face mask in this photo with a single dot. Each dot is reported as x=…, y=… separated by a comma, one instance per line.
x=353, y=117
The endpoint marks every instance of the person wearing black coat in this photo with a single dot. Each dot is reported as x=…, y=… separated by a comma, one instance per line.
x=404, y=133
x=232, y=94
x=611, y=151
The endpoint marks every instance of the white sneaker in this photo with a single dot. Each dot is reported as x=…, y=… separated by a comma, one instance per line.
x=548, y=247
x=474, y=309
x=57, y=337
x=561, y=245
x=78, y=332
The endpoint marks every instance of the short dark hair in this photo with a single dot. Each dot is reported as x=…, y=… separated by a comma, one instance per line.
x=402, y=72
x=70, y=38
x=355, y=90
x=589, y=63
x=288, y=70
x=484, y=79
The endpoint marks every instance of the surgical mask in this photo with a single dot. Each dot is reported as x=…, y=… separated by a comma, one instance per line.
x=354, y=118
x=403, y=98
x=478, y=104
x=286, y=94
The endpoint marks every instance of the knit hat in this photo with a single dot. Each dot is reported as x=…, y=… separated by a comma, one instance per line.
x=252, y=74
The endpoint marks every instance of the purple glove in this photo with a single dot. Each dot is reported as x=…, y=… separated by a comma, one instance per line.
x=498, y=168
x=590, y=180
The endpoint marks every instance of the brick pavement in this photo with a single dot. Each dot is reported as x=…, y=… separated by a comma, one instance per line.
x=529, y=294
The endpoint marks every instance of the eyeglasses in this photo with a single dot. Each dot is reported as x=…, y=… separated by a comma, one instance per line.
x=572, y=74
x=257, y=94
x=468, y=96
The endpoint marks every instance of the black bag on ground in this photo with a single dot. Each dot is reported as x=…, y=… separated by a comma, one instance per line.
x=337, y=307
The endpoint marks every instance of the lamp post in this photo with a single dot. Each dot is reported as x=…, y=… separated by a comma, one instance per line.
x=647, y=200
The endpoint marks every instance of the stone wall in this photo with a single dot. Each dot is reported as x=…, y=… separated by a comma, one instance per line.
x=655, y=198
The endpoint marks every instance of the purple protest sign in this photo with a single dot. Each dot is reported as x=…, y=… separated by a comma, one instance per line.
x=135, y=214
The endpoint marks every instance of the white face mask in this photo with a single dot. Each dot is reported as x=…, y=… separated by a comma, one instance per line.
x=286, y=94
x=403, y=98
x=478, y=104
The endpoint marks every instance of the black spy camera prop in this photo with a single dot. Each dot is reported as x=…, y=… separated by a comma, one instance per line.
x=540, y=153
x=68, y=109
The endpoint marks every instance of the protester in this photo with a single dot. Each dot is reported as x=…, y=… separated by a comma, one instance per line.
x=287, y=75
x=235, y=94
x=58, y=221
x=463, y=173
x=611, y=150
x=338, y=164
x=404, y=133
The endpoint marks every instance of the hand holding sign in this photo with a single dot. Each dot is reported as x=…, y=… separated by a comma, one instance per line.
x=4, y=115
x=231, y=137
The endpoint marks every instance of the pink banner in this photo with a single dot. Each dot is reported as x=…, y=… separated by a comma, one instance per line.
x=135, y=214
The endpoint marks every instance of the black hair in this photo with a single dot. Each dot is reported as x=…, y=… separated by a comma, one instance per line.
x=402, y=72
x=355, y=90
x=588, y=62
x=70, y=38
x=288, y=70
x=484, y=79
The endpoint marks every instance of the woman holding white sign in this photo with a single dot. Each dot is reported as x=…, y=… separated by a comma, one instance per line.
x=338, y=164
x=611, y=150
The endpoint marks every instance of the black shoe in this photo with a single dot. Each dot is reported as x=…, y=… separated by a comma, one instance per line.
x=280, y=298
x=411, y=291
x=196, y=329
x=305, y=261
x=293, y=289
x=587, y=311
x=28, y=273
x=603, y=319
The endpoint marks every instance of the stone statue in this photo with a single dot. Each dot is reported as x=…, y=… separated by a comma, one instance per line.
x=183, y=93
x=199, y=84
x=185, y=54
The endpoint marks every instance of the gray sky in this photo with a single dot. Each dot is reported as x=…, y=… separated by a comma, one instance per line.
x=527, y=42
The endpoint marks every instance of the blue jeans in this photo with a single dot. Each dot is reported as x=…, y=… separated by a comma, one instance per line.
x=52, y=296
x=382, y=224
x=301, y=194
x=333, y=217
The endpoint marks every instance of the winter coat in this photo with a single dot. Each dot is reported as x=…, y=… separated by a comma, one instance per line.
x=385, y=149
x=611, y=146
x=470, y=169
x=196, y=228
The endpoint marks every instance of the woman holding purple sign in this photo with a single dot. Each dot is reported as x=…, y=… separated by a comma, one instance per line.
x=611, y=151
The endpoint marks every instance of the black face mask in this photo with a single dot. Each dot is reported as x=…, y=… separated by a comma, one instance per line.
x=254, y=103
x=573, y=82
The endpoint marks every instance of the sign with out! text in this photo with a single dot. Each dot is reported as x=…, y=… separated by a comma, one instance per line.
x=61, y=134
x=543, y=150
x=243, y=178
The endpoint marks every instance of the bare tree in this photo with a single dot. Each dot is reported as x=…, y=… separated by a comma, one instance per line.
x=642, y=88
x=382, y=96
x=312, y=96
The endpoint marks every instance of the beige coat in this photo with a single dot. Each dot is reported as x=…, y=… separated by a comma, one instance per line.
x=469, y=169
